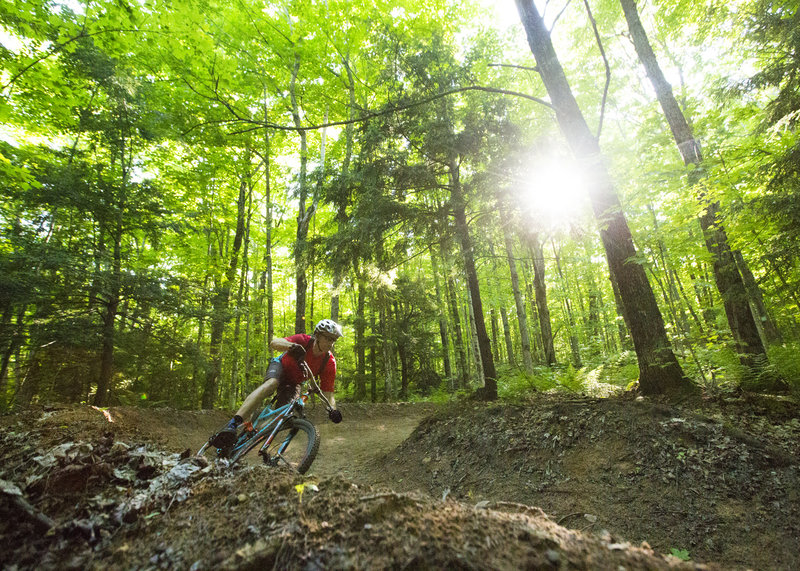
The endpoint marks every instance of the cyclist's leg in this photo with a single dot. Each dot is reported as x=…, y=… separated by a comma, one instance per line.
x=226, y=437
x=255, y=398
x=286, y=392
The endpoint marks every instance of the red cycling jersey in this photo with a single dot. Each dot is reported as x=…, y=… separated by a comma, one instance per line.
x=292, y=371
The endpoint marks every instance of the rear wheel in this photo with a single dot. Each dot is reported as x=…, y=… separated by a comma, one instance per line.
x=295, y=445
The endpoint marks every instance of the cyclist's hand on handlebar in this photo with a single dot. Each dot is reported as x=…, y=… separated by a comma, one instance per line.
x=335, y=416
x=297, y=352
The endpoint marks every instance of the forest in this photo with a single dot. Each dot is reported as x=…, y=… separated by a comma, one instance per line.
x=494, y=199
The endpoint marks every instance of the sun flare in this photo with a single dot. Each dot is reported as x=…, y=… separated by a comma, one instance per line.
x=554, y=190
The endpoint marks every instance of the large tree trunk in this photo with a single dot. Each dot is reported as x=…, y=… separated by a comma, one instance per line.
x=459, y=211
x=659, y=370
x=752, y=353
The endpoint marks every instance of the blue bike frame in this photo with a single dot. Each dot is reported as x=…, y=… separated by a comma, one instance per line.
x=269, y=420
x=273, y=420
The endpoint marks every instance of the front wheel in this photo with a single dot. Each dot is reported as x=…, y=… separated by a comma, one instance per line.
x=295, y=445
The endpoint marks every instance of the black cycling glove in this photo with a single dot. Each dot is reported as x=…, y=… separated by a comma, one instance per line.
x=335, y=416
x=297, y=352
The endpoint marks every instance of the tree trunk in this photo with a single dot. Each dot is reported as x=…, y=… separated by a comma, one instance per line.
x=726, y=275
x=540, y=294
x=373, y=357
x=469, y=317
x=522, y=318
x=507, y=337
x=571, y=326
x=9, y=341
x=771, y=331
x=458, y=342
x=344, y=178
x=105, y=379
x=242, y=305
x=459, y=210
x=444, y=335
x=265, y=285
x=361, y=376
x=659, y=370
x=303, y=215
x=495, y=334
x=221, y=300
x=388, y=368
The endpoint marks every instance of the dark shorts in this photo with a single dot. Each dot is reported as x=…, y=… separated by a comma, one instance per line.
x=286, y=389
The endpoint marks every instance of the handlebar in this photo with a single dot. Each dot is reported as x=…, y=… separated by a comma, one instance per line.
x=309, y=376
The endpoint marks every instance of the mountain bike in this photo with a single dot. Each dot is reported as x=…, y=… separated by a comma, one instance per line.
x=286, y=437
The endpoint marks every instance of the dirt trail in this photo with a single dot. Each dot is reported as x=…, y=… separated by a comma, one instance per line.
x=348, y=449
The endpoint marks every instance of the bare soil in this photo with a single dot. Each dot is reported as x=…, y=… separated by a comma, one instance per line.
x=554, y=483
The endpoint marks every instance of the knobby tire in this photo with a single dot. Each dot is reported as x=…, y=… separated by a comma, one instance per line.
x=302, y=459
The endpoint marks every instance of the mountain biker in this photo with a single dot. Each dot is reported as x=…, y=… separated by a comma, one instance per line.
x=285, y=375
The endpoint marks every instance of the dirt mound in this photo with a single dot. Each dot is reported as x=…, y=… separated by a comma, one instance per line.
x=110, y=503
x=718, y=481
x=87, y=488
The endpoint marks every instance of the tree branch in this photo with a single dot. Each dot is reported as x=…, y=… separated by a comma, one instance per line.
x=515, y=66
x=262, y=124
x=605, y=63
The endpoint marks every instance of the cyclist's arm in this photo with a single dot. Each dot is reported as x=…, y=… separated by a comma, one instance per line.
x=280, y=344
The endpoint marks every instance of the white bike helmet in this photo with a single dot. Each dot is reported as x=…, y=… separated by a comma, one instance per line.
x=329, y=327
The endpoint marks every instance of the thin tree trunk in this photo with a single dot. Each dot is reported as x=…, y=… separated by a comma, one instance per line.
x=495, y=334
x=540, y=294
x=344, y=178
x=444, y=335
x=573, y=338
x=537, y=347
x=469, y=316
x=270, y=333
x=458, y=342
x=507, y=336
x=361, y=374
x=221, y=300
x=388, y=380
x=522, y=318
x=659, y=370
x=9, y=340
x=105, y=379
x=241, y=302
x=373, y=357
x=303, y=215
x=771, y=331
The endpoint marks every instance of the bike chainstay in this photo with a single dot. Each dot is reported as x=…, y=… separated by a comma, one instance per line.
x=271, y=428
